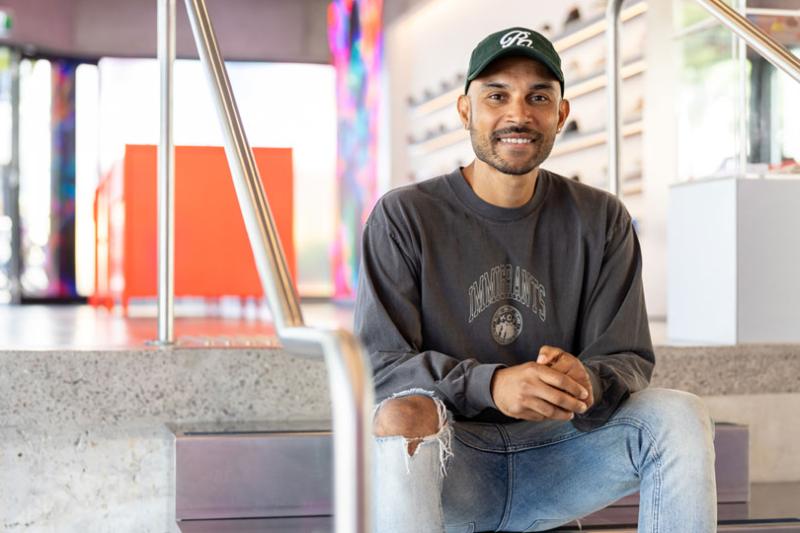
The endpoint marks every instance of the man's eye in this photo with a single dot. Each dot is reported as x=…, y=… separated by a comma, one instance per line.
x=539, y=98
x=495, y=96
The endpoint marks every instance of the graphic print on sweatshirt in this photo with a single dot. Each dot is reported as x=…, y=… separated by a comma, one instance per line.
x=502, y=283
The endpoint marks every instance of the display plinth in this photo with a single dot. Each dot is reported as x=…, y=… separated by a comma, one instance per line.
x=734, y=261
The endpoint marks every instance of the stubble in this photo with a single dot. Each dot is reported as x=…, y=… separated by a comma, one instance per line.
x=485, y=148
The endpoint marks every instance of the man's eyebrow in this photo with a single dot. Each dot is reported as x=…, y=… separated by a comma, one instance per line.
x=494, y=85
x=538, y=86
x=543, y=85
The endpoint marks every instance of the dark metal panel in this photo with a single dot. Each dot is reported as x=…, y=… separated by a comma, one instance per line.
x=732, y=445
x=285, y=470
x=253, y=475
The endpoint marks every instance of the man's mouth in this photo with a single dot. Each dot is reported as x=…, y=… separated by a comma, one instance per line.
x=515, y=140
x=515, y=136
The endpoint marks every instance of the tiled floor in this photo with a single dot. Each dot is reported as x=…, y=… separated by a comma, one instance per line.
x=82, y=327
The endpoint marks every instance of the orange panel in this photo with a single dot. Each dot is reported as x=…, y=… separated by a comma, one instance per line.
x=212, y=252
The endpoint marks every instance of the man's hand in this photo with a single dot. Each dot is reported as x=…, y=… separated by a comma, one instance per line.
x=568, y=364
x=533, y=391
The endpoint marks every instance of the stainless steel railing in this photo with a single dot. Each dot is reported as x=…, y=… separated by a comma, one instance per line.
x=751, y=34
x=349, y=374
x=166, y=175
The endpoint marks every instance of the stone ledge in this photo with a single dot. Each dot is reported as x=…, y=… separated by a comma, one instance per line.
x=86, y=388
x=728, y=370
x=90, y=388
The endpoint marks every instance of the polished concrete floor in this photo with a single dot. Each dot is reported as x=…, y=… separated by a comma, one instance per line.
x=197, y=323
x=83, y=327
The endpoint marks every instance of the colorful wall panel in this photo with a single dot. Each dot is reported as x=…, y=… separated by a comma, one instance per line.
x=62, y=236
x=355, y=35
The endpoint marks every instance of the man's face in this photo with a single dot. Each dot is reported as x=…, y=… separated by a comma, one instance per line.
x=513, y=111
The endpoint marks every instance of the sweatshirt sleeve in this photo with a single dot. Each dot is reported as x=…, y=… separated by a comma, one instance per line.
x=388, y=320
x=615, y=335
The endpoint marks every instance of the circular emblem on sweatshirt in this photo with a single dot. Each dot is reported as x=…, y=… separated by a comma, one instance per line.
x=506, y=324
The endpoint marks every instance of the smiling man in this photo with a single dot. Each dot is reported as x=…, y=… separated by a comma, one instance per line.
x=503, y=311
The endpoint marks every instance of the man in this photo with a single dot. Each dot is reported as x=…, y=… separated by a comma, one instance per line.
x=503, y=310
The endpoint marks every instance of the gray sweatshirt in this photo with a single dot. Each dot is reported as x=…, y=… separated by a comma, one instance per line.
x=452, y=288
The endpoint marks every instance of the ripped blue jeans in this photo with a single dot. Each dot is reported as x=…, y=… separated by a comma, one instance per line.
x=534, y=476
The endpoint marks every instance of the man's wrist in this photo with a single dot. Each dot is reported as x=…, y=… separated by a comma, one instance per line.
x=493, y=374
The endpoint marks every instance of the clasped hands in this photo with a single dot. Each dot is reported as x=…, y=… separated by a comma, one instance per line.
x=555, y=387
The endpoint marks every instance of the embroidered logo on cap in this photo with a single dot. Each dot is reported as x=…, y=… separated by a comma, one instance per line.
x=516, y=38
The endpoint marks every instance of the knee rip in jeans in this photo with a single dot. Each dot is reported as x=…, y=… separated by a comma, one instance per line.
x=443, y=437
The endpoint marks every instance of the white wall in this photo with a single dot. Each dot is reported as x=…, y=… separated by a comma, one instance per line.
x=774, y=423
x=659, y=151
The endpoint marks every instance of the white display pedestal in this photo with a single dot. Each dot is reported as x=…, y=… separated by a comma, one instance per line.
x=733, y=268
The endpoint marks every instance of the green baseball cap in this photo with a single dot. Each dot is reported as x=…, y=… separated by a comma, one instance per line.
x=514, y=42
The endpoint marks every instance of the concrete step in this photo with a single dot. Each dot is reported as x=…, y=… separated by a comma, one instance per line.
x=284, y=471
x=92, y=422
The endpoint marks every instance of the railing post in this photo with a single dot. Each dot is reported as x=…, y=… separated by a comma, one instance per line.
x=613, y=95
x=166, y=176
x=12, y=185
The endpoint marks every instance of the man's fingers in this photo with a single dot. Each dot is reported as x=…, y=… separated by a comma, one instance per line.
x=549, y=355
x=568, y=364
x=558, y=359
x=539, y=409
x=534, y=391
x=562, y=400
x=563, y=382
x=578, y=372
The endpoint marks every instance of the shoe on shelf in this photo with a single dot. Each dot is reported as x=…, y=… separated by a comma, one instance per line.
x=573, y=17
x=570, y=128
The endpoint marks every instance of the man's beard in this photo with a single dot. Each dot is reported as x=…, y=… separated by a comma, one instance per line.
x=485, y=150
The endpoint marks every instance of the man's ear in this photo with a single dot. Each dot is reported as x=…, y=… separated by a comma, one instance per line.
x=563, y=113
x=463, y=105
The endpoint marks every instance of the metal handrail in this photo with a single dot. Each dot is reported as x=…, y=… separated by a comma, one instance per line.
x=748, y=32
x=349, y=374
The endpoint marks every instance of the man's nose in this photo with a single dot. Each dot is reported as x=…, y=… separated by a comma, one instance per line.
x=519, y=111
